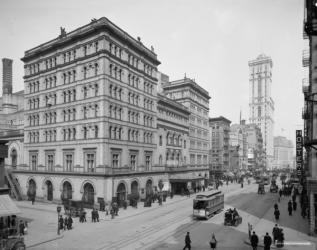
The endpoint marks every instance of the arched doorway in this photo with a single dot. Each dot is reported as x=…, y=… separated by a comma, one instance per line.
x=49, y=190
x=134, y=188
x=89, y=194
x=14, y=157
x=121, y=193
x=67, y=191
x=31, y=189
x=149, y=188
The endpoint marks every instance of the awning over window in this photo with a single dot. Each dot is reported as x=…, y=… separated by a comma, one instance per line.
x=7, y=206
x=198, y=178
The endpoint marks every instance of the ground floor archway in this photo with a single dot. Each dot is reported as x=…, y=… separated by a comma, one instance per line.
x=67, y=192
x=31, y=193
x=121, y=194
x=88, y=195
x=49, y=190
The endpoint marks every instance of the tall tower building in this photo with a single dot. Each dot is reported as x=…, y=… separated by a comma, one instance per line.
x=261, y=103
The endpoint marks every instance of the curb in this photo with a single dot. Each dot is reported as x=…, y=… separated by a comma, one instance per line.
x=247, y=242
x=42, y=242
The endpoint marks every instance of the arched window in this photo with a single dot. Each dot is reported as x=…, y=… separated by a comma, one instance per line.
x=85, y=132
x=96, y=131
x=96, y=69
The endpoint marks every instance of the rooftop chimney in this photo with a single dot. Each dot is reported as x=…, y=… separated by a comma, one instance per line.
x=7, y=76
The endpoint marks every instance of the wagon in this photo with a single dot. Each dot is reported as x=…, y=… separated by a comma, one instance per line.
x=73, y=207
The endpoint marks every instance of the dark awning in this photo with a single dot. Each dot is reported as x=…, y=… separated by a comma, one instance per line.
x=7, y=206
x=197, y=178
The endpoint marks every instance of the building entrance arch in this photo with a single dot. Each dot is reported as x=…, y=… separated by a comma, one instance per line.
x=67, y=191
x=121, y=193
x=88, y=194
x=149, y=187
x=14, y=158
x=31, y=189
x=49, y=190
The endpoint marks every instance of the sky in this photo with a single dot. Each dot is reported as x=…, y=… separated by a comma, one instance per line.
x=209, y=40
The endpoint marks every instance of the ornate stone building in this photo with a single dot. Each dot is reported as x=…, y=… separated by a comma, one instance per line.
x=187, y=92
x=261, y=103
x=219, y=128
x=90, y=116
x=172, y=132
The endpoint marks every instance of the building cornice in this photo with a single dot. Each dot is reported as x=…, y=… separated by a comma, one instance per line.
x=95, y=27
x=187, y=83
x=160, y=125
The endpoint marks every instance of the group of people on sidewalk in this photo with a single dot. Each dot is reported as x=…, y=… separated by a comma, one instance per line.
x=66, y=223
x=212, y=242
x=267, y=241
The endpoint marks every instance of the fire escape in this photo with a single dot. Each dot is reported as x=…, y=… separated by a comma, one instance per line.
x=310, y=29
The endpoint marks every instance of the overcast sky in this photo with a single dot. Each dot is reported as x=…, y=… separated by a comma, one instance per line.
x=209, y=40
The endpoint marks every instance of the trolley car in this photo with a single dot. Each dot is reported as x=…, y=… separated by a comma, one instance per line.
x=207, y=204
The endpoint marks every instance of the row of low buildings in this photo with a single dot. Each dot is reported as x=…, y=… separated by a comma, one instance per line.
x=240, y=147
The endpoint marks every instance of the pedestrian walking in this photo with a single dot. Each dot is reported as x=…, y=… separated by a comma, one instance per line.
x=254, y=241
x=97, y=215
x=69, y=223
x=275, y=233
x=33, y=199
x=290, y=208
x=280, y=239
x=267, y=242
x=280, y=193
x=213, y=241
x=21, y=228
x=277, y=214
x=294, y=205
x=61, y=222
x=187, y=242
x=275, y=206
x=66, y=223
x=93, y=217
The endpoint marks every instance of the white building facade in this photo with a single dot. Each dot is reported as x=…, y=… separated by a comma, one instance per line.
x=261, y=103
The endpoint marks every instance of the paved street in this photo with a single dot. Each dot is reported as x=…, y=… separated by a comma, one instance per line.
x=156, y=227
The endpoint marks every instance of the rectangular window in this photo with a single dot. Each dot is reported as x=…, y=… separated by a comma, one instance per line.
x=115, y=160
x=133, y=162
x=147, y=162
x=50, y=161
x=90, y=161
x=68, y=162
x=161, y=140
x=33, y=163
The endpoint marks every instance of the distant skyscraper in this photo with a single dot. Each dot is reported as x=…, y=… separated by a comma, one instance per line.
x=261, y=103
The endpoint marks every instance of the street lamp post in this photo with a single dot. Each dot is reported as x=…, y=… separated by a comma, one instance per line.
x=58, y=211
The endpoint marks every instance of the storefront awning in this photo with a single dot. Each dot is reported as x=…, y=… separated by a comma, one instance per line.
x=185, y=180
x=7, y=206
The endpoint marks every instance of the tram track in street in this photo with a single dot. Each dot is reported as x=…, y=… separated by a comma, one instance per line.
x=143, y=238
x=149, y=230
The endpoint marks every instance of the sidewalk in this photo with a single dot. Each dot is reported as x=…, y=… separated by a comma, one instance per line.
x=295, y=228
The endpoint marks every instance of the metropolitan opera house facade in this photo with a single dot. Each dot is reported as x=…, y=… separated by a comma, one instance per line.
x=91, y=127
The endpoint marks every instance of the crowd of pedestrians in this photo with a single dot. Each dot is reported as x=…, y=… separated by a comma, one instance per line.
x=65, y=223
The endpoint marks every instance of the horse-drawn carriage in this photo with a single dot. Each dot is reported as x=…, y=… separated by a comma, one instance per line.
x=232, y=218
x=73, y=207
x=10, y=237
